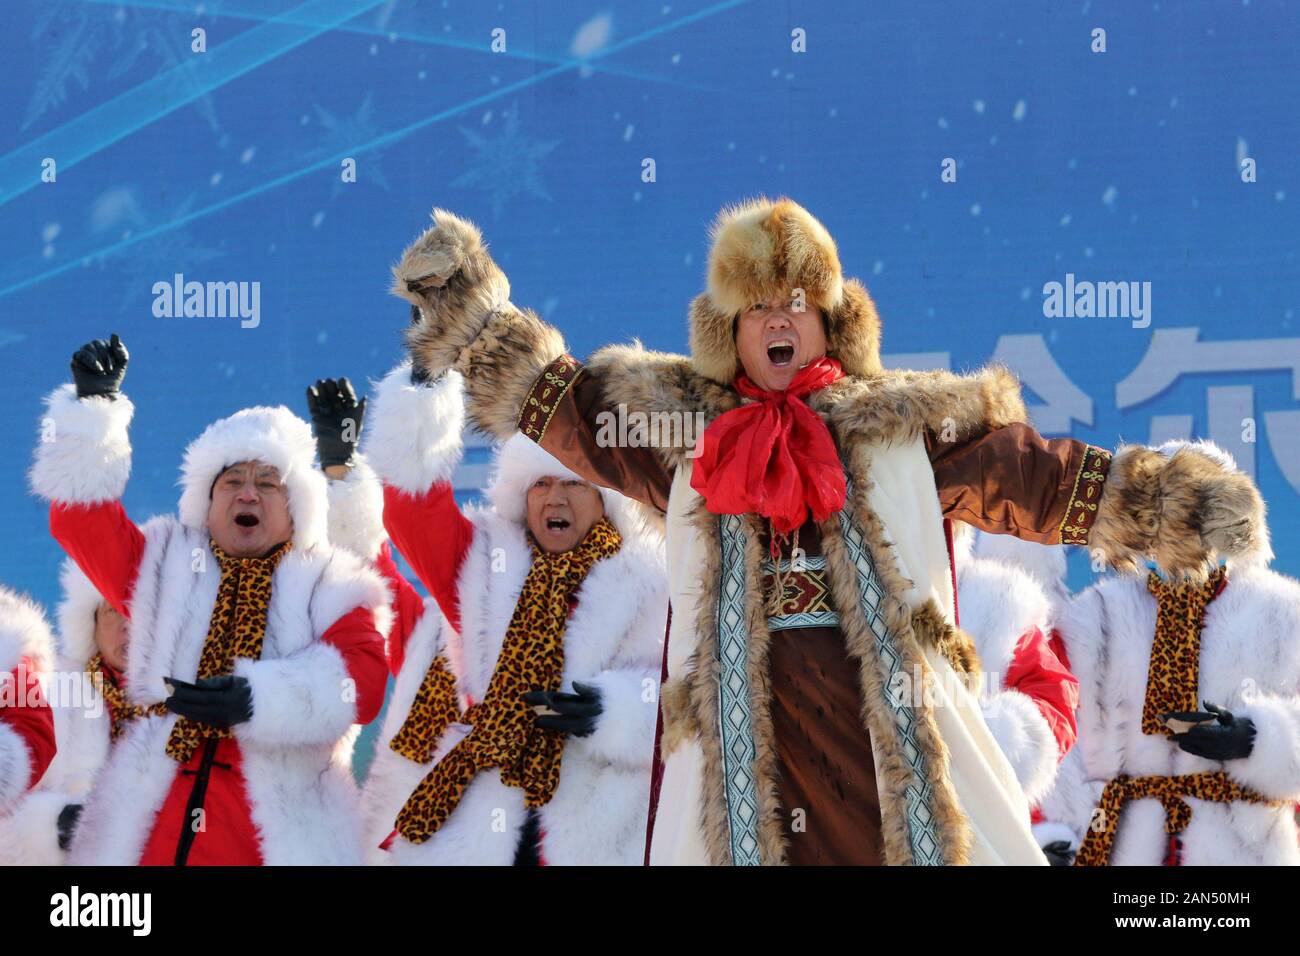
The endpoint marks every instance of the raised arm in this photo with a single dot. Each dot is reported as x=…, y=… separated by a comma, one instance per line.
x=82, y=462
x=519, y=376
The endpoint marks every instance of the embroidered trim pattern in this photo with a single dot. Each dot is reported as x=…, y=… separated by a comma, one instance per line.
x=734, y=715
x=921, y=825
x=1081, y=511
x=545, y=395
x=805, y=595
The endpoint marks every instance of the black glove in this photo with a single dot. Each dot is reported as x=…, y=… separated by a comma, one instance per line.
x=98, y=368
x=1058, y=853
x=68, y=817
x=216, y=701
x=336, y=419
x=1229, y=738
x=574, y=713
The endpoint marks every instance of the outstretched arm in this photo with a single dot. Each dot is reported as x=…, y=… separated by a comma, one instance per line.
x=82, y=462
x=1183, y=509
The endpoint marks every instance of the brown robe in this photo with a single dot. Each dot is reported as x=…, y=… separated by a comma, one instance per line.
x=1008, y=480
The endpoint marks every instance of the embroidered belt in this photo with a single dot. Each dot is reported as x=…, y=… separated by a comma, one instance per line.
x=1213, y=785
x=805, y=595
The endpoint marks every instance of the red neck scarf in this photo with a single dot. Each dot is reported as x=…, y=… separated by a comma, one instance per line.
x=775, y=456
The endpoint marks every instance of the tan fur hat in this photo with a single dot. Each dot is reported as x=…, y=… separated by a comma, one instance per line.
x=764, y=248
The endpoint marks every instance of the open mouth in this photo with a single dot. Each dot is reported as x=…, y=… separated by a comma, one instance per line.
x=781, y=352
x=557, y=524
x=247, y=520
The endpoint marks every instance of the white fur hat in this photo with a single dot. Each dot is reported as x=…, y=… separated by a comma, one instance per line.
x=273, y=436
x=521, y=461
x=24, y=631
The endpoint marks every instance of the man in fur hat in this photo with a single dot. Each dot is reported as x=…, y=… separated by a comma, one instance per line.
x=1189, y=713
x=255, y=645
x=87, y=700
x=521, y=728
x=790, y=732
x=27, y=741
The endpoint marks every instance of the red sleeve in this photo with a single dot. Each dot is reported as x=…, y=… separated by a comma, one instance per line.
x=433, y=536
x=31, y=718
x=408, y=607
x=1039, y=674
x=106, y=545
x=362, y=647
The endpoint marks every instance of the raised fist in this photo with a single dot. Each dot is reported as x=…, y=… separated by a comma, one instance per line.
x=336, y=419
x=98, y=368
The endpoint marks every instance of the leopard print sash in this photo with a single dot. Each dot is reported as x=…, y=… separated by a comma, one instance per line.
x=1174, y=671
x=504, y=733
x=237, y=629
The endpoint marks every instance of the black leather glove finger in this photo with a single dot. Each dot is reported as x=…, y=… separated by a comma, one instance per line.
x=1058, y=853
x=67, y=824
x=573, y=726
x=99, y=367
x=1189, y=716
x=219, y=701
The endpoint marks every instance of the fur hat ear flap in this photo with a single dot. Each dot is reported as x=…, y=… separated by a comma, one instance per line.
x=853, y=331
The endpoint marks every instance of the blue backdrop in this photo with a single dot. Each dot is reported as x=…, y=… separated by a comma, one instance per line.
x=1169, y=158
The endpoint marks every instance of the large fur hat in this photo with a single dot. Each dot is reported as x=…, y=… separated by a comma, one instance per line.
x=1254, y=543
x=24, y=632
x=762, y=248
x=521, y=461
x=274, y=436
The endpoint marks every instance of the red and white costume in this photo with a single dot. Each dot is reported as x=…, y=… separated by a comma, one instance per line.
x=279, y=791
x=27, y=741
x=474, y=562
x=30, y=836
x=1030, y=702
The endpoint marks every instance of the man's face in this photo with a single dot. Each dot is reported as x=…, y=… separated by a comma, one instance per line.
x=774, y=340
x=249, y=514
x=561, y=511
x=110, y=636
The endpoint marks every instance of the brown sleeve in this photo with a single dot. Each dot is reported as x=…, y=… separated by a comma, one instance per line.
x=561, y=412
x=1012, y=480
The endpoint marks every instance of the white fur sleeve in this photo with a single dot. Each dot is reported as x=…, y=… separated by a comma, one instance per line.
x=413, y=436
x=30, y=836
x=1023, y=734
x=15, y=767
x=356, y=515
x=1273, y=767
x=83, y=453
x=305, y=699
x=625, y=729
x=1067, y=807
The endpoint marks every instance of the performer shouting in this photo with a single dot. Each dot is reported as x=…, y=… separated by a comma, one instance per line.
x=1189, y=713
x=808, y=570
x=255, y=645
x=521, y=728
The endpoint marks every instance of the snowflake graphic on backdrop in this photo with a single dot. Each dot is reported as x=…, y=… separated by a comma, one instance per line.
x=73, y=36
x=507, y=164
x=346, y=134
x=139, y=265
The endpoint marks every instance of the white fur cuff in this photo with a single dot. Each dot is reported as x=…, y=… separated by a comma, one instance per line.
x=356, y=511
x=30, y=837
x=1024, y=736
x=625, y=729
x=413, y=437
x=1273, y=767
x=83, y=453
x=306, y=699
